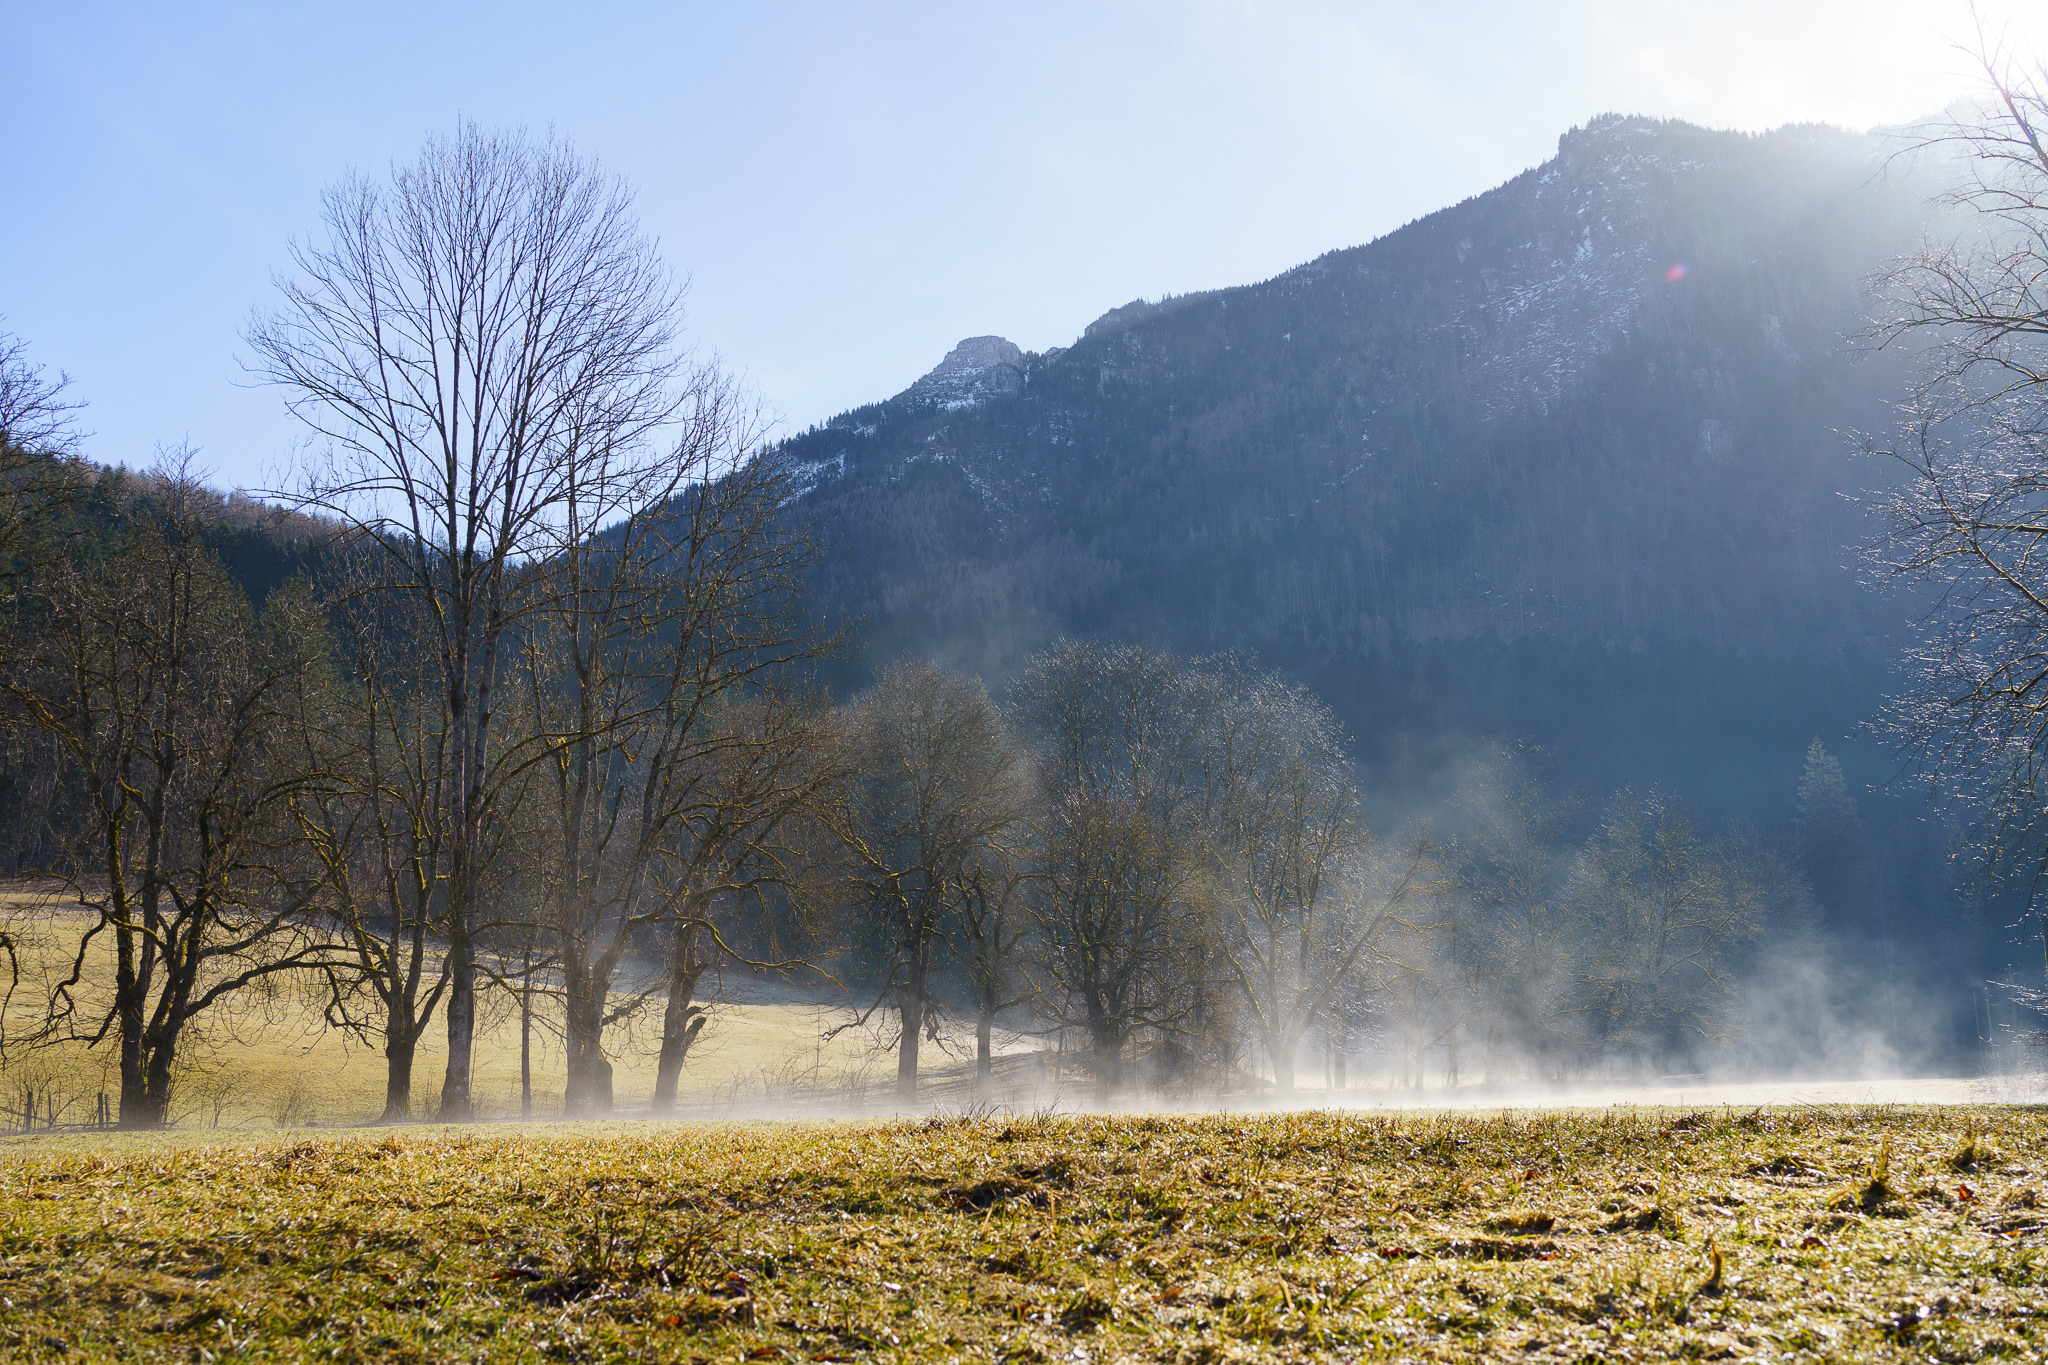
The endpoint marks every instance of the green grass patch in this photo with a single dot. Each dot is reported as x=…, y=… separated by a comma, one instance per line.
x=1610, y=1235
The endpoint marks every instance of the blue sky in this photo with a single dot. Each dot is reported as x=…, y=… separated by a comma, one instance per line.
x=850, y=187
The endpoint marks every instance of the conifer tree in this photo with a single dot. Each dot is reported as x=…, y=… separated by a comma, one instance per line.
x=1833, y=849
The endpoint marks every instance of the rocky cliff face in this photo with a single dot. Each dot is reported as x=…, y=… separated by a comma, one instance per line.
x=977, y=369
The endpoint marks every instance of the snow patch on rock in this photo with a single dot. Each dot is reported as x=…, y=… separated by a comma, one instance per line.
x=972, y=372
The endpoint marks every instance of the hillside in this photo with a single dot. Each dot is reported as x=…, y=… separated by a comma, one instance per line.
x=1567, y=461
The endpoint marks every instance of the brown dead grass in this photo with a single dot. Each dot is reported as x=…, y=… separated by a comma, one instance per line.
x=1611, y=1235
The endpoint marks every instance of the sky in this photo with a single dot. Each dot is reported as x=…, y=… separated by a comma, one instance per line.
x=850, y=188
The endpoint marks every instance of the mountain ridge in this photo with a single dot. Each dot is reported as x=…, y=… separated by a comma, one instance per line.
x=1589, y=416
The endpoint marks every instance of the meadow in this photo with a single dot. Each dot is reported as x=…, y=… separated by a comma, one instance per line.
x=1866, y=1233
x=274, y=1223
x=268, y=1059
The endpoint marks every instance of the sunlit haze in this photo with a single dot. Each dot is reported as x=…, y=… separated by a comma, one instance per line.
x=851, y=187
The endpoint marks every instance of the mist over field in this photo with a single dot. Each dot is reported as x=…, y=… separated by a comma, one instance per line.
x=1461, y=774
x=1580, y=643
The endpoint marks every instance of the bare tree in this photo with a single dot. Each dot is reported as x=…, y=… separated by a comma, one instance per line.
x=665, y=629
x=993, y=926
x=749, y=835
x=1306, y=904
x=147, y=681
x=377, y=826
x=37, y=415
x=458, y=343
x=39, y=466
x=933, y=798
x=1661, y=911
x=1117, y=836
x=1969, y=518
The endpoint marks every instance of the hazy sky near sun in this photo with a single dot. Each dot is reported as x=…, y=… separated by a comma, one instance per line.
x=851, y=187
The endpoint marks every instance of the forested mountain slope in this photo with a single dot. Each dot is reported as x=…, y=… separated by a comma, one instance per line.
x=1567, y=461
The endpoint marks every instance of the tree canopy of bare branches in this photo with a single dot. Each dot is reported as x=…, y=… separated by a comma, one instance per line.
x=39, y=436
x=1306, y=902
x=1969, y=518
x=659, y=674
x=157, y=694
x=37, y=414
x=484, y=352
x=929, y=829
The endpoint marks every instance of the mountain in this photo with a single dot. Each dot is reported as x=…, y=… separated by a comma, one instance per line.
x=1570, y=461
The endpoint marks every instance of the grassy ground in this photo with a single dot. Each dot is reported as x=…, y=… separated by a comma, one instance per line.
x=1841, y=1233
x=269, y=1060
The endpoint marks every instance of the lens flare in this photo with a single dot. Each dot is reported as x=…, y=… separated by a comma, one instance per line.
x=1676, y=273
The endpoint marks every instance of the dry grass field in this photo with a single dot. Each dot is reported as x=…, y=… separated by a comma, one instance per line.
x=1812, y=1234
x=271, y=1061
x=1728, y=1230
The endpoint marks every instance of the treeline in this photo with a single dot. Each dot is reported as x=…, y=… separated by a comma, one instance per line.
x=251, y=796
x=1172, y=858
x=1492, y=475
x=522, y=697
x=1168, y=856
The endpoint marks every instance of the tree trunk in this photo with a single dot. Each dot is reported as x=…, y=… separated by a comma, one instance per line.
x=675, y=1050
x=910, y=1004
x=135, y=1110
x=1340, y=1057
x=681, y=1021
x=399, y=1046
x=458, y=1100
x=984, y=1057
x=526, y=1040
x=156, y=1083
x=913, y=1003
x=1280, y=1051
x=143, y=1099
x=1108, y=1048
x=457, y=1104
x=582, y=1022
